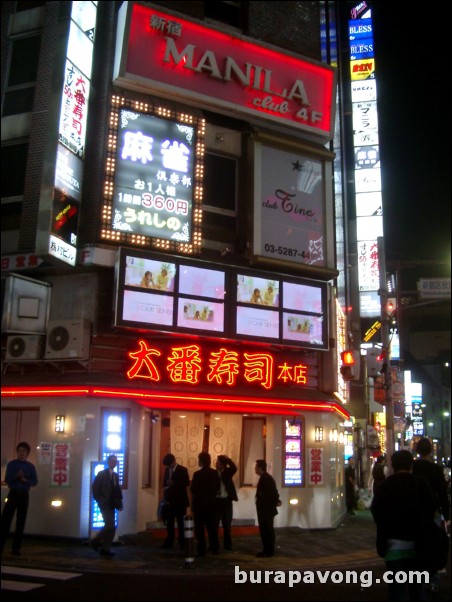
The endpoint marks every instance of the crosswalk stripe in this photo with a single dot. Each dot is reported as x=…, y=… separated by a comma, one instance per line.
x=17, y=586
x=43, y=574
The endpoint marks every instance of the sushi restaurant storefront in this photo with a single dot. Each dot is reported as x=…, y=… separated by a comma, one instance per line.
x=181, y=397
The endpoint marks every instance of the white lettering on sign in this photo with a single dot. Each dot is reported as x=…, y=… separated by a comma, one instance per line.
x=254, y=77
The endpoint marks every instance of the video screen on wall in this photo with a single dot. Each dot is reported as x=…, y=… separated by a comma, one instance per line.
x=158, y=292
x=163, y=292
x=273, y=308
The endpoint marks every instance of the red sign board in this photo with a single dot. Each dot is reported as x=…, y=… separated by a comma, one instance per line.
x=174, y=57
x=188, y=364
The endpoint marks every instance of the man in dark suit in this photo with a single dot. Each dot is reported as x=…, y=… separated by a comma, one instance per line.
x=425, y=467
x=108, y=494
x=267, y=500
x=175, y=483
x=226, y=495
x=402, y=508
x=204, y=489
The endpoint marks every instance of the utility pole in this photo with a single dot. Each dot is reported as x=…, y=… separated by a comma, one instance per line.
x=383, y=292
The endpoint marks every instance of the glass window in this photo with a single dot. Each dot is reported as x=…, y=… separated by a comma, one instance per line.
x=24, y=60
x=23, y=69
x=14, y=163
x=226, y=12
x=19, y=101
x=220, y=184
x=20, y=6
x=11, y=215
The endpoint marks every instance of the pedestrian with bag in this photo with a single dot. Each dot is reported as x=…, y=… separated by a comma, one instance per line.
x=108, y=494
x=226, y=495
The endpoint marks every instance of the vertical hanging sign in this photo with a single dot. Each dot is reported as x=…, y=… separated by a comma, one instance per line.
x=72, y=133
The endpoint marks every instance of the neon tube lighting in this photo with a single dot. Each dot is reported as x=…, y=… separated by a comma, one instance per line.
x=169, y=400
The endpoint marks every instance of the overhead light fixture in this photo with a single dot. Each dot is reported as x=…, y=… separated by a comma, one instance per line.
x=59, y=423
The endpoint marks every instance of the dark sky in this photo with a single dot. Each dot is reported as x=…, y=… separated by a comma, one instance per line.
x=413, y=79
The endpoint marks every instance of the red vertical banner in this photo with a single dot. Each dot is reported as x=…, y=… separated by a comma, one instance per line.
x=60, y=464
x=315, y=466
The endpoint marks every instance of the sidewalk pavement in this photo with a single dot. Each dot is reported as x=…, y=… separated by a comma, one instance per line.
x=351, y=546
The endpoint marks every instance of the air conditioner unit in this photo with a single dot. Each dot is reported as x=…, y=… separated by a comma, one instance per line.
x=24, y=347
x=68, y=340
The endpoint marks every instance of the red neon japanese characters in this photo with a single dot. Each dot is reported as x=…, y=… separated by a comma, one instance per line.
x=187, y=364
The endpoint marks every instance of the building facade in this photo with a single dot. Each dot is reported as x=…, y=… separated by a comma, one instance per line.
x=172, y=252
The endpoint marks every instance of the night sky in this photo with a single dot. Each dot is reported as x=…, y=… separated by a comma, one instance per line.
x=413, y=78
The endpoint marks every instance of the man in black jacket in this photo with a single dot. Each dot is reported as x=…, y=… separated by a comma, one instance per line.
x=175, y=483
x=425, y=467
x=108, y=494
x=402, y=507
x=226, y=495
x=204, y=490
x=267, y=500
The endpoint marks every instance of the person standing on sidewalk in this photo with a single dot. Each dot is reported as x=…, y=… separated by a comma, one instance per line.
x=267, y=501
x=378, y=473
x=175, y=483
x=108, y=494
x=425, y=467
x=204, y=490
x=226, y=495
x=350, y=491
x=20, y=476
x=402, y=507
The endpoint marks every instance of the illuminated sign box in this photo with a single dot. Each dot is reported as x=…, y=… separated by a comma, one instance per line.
x=293, y=453
x=216, y=365
x=167, y=53
x=290, y=217
x=154, y=172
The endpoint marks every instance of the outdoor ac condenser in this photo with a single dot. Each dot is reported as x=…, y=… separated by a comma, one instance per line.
x=68, y=340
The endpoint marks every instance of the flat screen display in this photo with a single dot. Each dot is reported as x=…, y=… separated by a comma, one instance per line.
x=303, y=328
x=252, y=321
x=149, y=274
x=147, y=308
x=200, y=315
x=258, y=291
x=302, y=297
x=157, y=291
x=201, y=282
